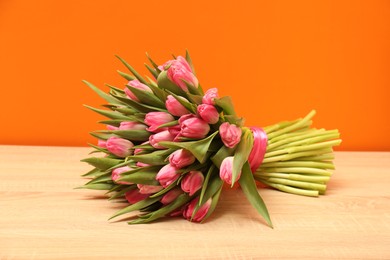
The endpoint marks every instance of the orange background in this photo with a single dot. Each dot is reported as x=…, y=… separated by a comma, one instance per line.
x=277, y=59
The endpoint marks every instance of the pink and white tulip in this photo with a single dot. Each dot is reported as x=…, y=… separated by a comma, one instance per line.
x=194, y=128
x=209, y=96
x=175, y=107
x=156, y=119
x=208, y=113
x=119, y=146
x=192, y=182
x=117, y=174
x=171, y=196
x=181, y=158
x=179, y=72
x=130, y=125
x=160, y=137
x=167, y=175
x=200, y=214
x=148, y=189
x=230, y=134
x=134, y=196
x=226, y=170
x=138, y=85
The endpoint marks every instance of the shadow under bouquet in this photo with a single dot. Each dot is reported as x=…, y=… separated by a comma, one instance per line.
x=169, y=147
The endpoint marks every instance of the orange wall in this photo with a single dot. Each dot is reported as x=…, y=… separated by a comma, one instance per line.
x=277, y=59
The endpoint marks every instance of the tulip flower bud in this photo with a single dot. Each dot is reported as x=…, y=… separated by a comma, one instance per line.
x=192, y=182
x=102, y=143
x=230, y=134
x=129, y=125
x=159, y=137
x=148, y=189
x=208, y=113
x=119, y=146
x=181, y=158
x=174, y=107
x=226, y=170
x=136, y=84
x=209, y=96
x=141, y=164
x=167, y=175
x=155, y=119
x=200, y=214
x=171, y=196
x=179, y=72
x=116, y=174
x=194, y=128
x=134, y=196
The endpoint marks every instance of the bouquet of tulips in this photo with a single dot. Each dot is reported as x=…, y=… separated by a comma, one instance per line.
x=169, y=148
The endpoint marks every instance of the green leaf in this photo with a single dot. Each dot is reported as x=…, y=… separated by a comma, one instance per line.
x=153, y=63
x=234, y=120
x=152, y=71
x=144, y=175
x=102, y=136
x=242, y=152
x=189, y=106
x=177, y=203
x=214, y=203
x=212, y=171
x=120, y=191
x=92, y=173
x=249, y=188
x=226, y=104
x=198, y=148
x=146, y=97
x=135, y=73
x=138, y=106
x=215, y=183
x=136, y=206
x=164, y=83
x=189, y=60
x=97, y=186
x=125, y=75
x=102, y=94
x=154, y=158
x=116, y=122
x=197, y=99
x=102, y=163
x=109, y=114
x=105, y=178
x=133, y=135
x=222, y=153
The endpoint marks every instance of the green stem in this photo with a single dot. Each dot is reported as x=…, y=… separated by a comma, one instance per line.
x=313, y=164
x=302, y=170
x=291, y=176
x=288, y=189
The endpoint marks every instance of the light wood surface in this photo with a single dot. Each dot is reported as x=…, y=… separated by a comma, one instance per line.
x=43, y=217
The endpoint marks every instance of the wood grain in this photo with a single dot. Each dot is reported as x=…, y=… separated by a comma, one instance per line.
x=43, y=217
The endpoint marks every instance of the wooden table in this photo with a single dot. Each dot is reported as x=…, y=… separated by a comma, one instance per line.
x=43, y=217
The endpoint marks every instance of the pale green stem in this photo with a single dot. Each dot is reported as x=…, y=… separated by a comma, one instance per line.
x=302, y=170
x=292, y=134
x=291, y=176
x=298, y=184
x=314, y=164
x=288, y=189
x=272, y=128
x=323, y=157
x=287, y=157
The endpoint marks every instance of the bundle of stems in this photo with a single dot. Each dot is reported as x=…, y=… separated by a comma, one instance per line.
x=298, y=158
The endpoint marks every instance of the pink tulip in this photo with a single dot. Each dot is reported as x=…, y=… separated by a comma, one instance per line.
x=148, y=189
x=171, y=196
x=136, y=84
x=192, y=182
x=167, y=175
x=181, y=158
x=134, y=196
x=141, y=164
x=102, y=144
x=111, y=127
x=179, y=72
x=117, y=174
x=155, y=119
x=226, y=170
x=194, y=128
x=200, y=214
x=174, y=107
x=230, y=134
x=119, y=146
x=160, y=137
x=129, y=125
x=140, y=150
x=209, y=96
x=208, y=113
x=174, y=130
